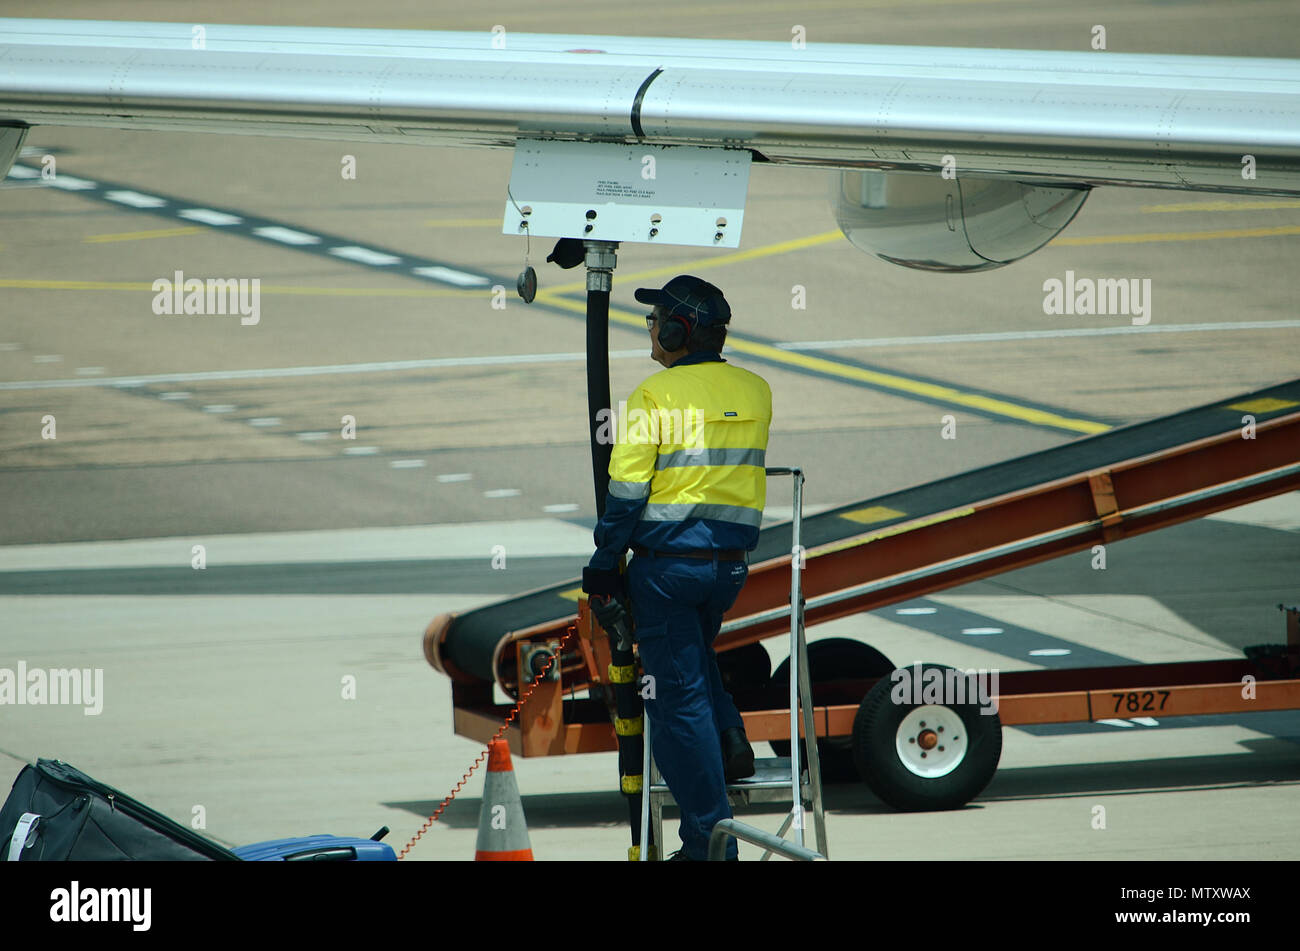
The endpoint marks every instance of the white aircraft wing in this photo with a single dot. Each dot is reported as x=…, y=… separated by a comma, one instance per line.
x=1007, y=141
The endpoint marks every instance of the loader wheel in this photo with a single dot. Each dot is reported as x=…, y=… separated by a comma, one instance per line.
x=921, y=757
x=833, y=658
x=744, y=668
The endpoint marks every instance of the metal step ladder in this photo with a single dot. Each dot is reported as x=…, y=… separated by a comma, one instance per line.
x=775, y=779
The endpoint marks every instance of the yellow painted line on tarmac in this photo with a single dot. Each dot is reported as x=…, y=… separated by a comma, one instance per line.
x=872, y=514
x=1221, y=206
x=699, y=264
x=30, y=284
x=886, y=381
x=572, y=594
x=1178, y=236
x=145, y=235
x=1266, y=404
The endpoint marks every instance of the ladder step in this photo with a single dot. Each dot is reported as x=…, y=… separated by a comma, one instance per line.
x=770, y=783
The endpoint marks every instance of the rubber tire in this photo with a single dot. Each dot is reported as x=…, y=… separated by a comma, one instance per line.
x=875, y=730
x=744, y=667
x=829, y=659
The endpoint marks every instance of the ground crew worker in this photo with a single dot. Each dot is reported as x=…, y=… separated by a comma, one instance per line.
x=686, y=493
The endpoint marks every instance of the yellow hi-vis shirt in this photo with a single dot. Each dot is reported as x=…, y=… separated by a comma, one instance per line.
x=686, y=471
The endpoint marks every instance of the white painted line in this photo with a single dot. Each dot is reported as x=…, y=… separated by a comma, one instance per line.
x=48, y=358
x=856, y=342
x=22, y=171
x=361, y=451
x=286, y=235
x=530, y=537
x=1049, y=652
x=135, y=199
x=10, y=347
x=1146, y=721
x=1120, y=723
x=978, y=631
x=90, y=371
x=219, y=408
x=451, y=276
x=264, y=421
x=561, y=507
x=455, y=477
x=387, y=366
x=174, y=395
x=71, y=183
x=908, y=611
x=209, y=217
x=501, y=493
x=314, y=436
x=125, y=384
x=406, y=464
x=364, y=255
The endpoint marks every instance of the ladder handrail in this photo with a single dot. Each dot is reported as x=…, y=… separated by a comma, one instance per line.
x=773, y=843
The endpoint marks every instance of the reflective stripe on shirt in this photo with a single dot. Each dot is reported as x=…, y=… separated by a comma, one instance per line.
x=655, y=512
x=711, y=457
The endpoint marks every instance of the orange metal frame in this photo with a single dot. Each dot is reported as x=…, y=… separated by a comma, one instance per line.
x=905, y=561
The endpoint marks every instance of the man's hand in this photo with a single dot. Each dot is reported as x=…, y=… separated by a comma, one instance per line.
x=609, y=612
x=602, y=581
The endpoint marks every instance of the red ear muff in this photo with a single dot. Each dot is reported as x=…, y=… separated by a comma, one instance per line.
x=674, y=332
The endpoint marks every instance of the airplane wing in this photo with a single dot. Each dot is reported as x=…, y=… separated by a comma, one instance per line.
x=1007, y=142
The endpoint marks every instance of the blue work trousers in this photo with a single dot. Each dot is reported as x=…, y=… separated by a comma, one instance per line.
x=678, y=605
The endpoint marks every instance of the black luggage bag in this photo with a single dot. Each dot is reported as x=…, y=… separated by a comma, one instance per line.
x=80, y=819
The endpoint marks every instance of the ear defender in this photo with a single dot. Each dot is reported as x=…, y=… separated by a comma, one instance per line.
x=674, y=332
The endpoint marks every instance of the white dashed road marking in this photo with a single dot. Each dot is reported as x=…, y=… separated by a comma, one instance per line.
x=365, y=255
x=71, y=183
x=135, y=199
x=286, y=235
x=451, y=276
x=209, y=217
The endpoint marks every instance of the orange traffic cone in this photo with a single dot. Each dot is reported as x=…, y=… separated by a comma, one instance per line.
x=502, y=832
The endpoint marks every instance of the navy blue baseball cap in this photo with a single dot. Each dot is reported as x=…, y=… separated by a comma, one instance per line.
x=689, y=297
